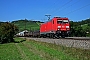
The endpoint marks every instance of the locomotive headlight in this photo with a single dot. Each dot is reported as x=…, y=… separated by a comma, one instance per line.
x=58, y=29
x=67, y=26
x=59, y=26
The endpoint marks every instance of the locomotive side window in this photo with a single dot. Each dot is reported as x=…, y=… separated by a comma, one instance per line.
x=59, y=21
x=53, y=21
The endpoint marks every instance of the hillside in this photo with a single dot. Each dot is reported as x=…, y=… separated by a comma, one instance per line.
x=29, y=24
x=80, y=28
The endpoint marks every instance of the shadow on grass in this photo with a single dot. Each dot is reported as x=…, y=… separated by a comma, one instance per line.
x=19, y=41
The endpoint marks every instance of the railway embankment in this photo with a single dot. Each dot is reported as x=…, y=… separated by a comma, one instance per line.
x=78, y=43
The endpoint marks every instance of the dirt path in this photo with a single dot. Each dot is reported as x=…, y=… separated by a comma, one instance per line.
x=23, y=55
x=41, y=53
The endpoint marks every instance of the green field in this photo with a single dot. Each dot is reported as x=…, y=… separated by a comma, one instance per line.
x=32, y=50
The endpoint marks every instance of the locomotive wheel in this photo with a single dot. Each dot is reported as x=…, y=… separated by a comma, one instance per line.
x=63, y=36
x=55, y=36
x=51, y=35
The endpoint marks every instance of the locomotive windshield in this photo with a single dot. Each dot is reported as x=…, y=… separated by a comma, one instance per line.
x=59, y=21
x=62, y=21
x=65, y=21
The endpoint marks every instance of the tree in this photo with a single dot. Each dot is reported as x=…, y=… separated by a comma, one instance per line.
x=7, y=32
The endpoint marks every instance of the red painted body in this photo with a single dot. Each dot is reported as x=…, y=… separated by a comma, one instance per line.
x=57, y=24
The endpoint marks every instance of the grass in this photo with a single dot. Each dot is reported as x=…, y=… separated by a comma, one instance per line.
x=9, y=52
x=33, y=50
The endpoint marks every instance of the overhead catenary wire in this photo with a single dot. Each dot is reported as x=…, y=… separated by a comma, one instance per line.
x=66, y=7
x=53, y=5
x=76, y=9
x=61, y=6
x=49, y=6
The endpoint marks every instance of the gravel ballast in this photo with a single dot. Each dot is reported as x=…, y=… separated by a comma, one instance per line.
x=65, y=42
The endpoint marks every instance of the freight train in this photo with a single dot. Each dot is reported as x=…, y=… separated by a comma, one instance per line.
x=54, y=28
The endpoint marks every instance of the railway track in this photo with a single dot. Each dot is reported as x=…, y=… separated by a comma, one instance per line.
x=73, y=38
x=78, y=42
x=66, y=38
x=79, y=38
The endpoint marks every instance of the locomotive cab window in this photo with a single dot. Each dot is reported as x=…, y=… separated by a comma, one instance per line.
x=59, y=21
x=65, y=21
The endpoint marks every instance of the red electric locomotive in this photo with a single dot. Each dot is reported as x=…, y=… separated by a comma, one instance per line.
x=56, y=27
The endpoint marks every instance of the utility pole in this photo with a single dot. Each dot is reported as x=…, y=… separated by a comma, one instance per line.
x=25, y=29
x=25, y=23
x=48, y=16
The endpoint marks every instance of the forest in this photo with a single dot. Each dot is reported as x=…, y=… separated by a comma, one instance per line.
x=80, y=28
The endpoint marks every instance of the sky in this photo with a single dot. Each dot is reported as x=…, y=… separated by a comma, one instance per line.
x=75, y=10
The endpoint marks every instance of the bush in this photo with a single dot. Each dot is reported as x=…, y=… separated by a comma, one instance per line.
x=7, y=32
